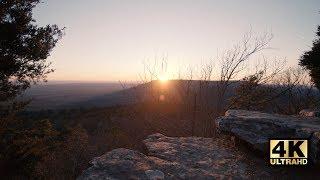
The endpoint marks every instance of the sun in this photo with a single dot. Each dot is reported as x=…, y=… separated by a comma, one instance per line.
x=163, y=78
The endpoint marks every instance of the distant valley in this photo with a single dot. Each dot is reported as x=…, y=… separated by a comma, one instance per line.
x=65, y=95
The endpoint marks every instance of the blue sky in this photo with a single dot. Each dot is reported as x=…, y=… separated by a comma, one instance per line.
x=107, y=40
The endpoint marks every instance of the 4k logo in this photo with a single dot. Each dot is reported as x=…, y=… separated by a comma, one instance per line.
x=288, y=152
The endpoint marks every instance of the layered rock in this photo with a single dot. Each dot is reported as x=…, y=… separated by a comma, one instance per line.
x=177, y=158
x=256, y=128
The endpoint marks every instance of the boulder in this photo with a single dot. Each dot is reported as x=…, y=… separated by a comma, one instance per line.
x=177, y=158
x=256, y=128
x=309, y=113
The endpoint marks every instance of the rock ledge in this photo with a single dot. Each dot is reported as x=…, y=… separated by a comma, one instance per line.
x=209, y=158
x=256, y=128
x=175, y=158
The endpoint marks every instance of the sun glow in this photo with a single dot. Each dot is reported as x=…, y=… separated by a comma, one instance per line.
x=163, y=78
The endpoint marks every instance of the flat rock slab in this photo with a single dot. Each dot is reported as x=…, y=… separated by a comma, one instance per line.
x=177, y=158
x=256, y=128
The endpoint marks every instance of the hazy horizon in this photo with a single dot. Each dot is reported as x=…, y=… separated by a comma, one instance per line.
x=109, y=40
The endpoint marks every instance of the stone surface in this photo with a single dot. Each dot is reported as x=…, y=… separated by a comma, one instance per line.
x=256, y=128
x=309, y=113
x=177, y=158
x=213, y=158
x=154, y=174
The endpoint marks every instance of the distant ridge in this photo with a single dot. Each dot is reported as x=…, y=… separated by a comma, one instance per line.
x=140, y=93
x=88, y=95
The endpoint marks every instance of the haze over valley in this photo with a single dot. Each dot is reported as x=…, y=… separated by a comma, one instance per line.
x=159, y=89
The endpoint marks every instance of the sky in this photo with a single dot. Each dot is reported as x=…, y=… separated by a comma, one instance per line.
x=111, y=40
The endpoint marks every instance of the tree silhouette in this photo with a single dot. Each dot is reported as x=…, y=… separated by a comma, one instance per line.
x=24, y=47
x=311, y=60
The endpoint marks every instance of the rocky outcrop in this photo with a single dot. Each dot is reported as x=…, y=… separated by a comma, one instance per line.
x=177, y=158
x=309, y=113
x=256, y=128
x=211, y=158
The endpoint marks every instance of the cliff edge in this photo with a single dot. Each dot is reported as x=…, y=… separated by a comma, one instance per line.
x=212, y=158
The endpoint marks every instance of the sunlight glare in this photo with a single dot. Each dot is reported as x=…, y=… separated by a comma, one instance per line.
x=163, y=79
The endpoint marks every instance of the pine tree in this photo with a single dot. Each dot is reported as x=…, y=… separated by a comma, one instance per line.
x=311, y=60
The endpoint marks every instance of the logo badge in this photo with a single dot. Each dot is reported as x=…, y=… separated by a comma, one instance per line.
x=288, y=152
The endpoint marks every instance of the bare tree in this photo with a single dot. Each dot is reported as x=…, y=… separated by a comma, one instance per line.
x=299, y=91
x=233, y=62
x=284, y=91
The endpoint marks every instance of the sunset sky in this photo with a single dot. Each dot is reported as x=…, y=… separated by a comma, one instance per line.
x=108, y=40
